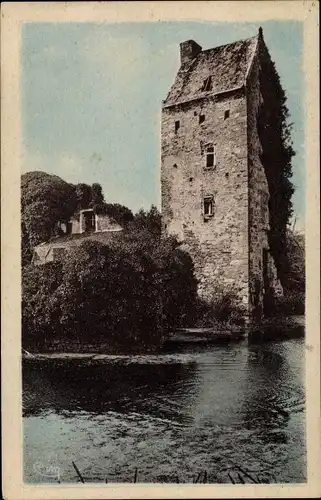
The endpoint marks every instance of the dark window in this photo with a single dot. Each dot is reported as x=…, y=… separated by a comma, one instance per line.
x=208, y=206
x=177, y=125
x=201, y=118
x=226, y=114
x=89, y=221
x=227, y=174
x=191, y=179
x=210, y=157
x=175, y=166
x=207, y=85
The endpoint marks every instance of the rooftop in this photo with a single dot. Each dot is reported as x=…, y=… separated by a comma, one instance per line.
x=227, y=66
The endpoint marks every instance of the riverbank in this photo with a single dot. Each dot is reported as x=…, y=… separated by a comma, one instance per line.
x=285, y=329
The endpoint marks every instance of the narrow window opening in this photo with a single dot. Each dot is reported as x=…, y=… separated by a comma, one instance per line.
x=210, y=157
x=208, y=206
x=201, y=119
x=177, y=125
x=207, y=85
x=227, y=175
x=226, y=114
x=175, y=166
x=191, y=179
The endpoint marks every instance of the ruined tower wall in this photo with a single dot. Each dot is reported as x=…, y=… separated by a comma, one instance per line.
x=217, y=244
x=262, y=270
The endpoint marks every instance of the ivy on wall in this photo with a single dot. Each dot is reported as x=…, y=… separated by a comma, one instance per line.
x=277, y=152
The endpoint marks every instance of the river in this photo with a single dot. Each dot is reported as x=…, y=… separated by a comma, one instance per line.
x=221, y=414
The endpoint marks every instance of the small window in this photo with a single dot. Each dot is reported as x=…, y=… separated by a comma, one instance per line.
x=210, y=156
x=177, y=125
x=208, y=206
x=207, y=85
x=191, y=179
x=175, y=165
x=226, y=114
x=227, y=175
x=201, y=119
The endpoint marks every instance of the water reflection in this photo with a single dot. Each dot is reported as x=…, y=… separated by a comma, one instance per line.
x=97, y=387
x=211, y=408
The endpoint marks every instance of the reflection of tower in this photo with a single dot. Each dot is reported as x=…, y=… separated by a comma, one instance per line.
x=221, y=382
x=274, y=394
x=215, y=192
x=266, y=389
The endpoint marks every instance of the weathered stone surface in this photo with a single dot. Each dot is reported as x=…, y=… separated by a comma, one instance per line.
x=227, y=247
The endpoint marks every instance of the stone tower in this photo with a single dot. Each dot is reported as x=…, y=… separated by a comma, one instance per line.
x=214, y=188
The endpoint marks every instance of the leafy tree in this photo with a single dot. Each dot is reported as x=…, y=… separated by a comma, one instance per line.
x=119, y=213
x=129, y=293
x=150, y=220
x=97, y=198
x=296, y=254
x=46, y=200
x=277, y=153
x=83, y=196
x=26, y=252
x=40, y=309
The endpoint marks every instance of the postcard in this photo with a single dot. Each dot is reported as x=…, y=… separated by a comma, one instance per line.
x=160, y=236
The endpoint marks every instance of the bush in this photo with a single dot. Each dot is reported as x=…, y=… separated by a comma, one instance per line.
x=222, y=307
x=126, y=295
x=292, y=302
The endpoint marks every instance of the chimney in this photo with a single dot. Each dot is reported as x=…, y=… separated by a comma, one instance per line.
x=189, y=50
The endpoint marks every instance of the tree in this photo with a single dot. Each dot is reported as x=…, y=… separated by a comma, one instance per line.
x=121, y=214
x=46, y=200
x=127, y=295
x=277, y=153
x=296, y=254
x=150, y=220
x=40, y=309
x=83, y=196
x=97, y=198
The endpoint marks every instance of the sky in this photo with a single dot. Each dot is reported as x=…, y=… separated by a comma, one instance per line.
x=91, y=97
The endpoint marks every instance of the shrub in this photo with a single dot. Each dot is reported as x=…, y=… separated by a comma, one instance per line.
x=128, y=294
x=223, y=306
x=292, y=302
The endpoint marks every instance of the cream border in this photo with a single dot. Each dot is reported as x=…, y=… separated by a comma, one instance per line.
x=12, y=15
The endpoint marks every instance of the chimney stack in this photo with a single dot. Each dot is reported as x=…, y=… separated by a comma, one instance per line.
x=189, y=50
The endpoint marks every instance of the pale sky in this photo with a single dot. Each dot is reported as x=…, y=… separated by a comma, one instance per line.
x=92, y=95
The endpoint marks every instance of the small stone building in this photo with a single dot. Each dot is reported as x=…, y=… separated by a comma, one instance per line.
x=87, y=226
x=214, y=187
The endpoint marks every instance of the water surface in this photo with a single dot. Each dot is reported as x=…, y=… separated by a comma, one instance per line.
x=228, y=410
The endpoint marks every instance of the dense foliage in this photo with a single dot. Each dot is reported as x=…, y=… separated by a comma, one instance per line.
x=119, y=213
x=126, y=295
x=277, y=153
x=295, y=245
x=45, y=200
x=293, y=300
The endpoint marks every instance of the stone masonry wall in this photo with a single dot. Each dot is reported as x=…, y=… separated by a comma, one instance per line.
x=258, y=203
x=218, y=245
